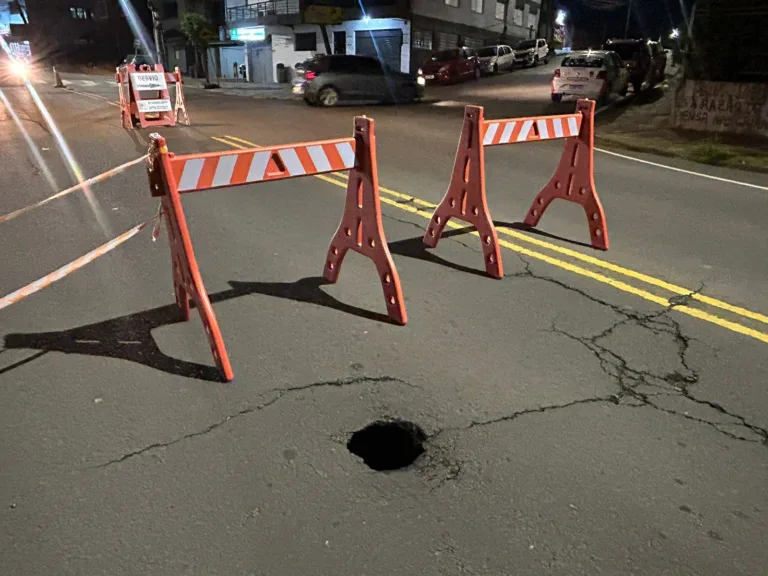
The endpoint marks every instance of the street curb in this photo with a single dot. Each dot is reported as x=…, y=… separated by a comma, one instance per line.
x=609, y=142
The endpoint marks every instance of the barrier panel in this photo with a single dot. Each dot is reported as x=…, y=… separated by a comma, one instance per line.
x=135, y=108
x=573, y=179
x=361, y=227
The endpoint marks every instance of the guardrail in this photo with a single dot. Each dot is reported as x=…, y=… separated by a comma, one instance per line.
x=261, y=9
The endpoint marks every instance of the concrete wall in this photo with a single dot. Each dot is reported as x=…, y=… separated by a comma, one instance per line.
x=721, y=107
x=283, y=46
x=486, y=20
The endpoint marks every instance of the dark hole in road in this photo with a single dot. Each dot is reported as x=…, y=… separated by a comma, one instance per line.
x=388, y=444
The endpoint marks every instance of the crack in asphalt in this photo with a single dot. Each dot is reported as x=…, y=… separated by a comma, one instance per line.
x=422, y=230
x=279, y=394
x=629, y=379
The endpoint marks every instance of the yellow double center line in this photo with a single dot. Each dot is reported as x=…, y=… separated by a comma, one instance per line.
x=398, y=199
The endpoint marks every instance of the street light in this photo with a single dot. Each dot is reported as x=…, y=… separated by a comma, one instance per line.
x=560, y=18
x=675, y=34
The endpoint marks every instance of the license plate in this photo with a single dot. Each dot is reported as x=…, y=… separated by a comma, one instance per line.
x=576, y=86
x=430, y=76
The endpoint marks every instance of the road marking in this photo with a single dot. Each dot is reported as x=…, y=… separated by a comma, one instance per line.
x=614, y=283
x=714, y=302
x=88, y=83
x=94, y=96
x=690, y=172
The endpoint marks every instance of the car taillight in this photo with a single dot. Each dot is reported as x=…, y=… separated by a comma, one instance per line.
x=602, y=75
x=557, y=72
x=309, y=75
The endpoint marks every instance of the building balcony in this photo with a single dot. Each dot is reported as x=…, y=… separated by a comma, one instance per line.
x=265, y=12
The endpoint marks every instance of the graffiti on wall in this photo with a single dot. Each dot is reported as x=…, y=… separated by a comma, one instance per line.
x=722, y=107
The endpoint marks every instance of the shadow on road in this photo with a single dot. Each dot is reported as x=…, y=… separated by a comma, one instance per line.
x=130, y=337
x=535, y=231
x=415, y=248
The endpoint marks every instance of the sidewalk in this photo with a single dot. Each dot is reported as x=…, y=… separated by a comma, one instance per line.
x=247, y=89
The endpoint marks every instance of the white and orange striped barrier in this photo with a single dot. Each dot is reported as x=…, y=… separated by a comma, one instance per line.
x=67, y=269
x=136, y=107
x=360, y=229
x=573, y=179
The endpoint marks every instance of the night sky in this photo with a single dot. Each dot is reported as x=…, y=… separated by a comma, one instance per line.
x=650, y=18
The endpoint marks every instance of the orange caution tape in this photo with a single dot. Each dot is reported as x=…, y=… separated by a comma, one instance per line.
x=67, y=269
x=96, y=179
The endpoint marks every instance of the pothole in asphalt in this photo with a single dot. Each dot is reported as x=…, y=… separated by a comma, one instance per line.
x=388, y=444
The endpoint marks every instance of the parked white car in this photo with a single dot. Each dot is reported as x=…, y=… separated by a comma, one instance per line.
x=594, y=74
x=531, y=52
x=496, y=58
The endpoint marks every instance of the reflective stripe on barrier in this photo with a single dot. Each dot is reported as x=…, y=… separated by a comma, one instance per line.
x=360, y=229
x=67, y=269
x=573, y=179
x=202, y=172
x=530, y=129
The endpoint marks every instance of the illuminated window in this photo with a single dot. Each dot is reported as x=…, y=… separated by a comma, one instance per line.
x=476, y=6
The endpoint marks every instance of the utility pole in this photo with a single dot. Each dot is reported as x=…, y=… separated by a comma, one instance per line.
x=629, y=12
x=156, y=29
x=506, y=15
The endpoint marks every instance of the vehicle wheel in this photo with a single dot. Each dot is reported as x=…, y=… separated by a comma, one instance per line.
x=557, y=97
x=495, y=69
x=536, y=60
x=328, y=97
x=546, y=59
x=478, y=73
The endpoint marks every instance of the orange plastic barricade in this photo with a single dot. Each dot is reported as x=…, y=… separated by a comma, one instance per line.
x=573, y=179
x=135, y=107
x=360, y=229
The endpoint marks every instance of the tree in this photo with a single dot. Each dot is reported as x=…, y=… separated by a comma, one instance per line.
x=198, y=34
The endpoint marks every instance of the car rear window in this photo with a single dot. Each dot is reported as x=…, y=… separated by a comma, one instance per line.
x=583, y=62
x=627, y=51
x=444, y=55
x=489, y=51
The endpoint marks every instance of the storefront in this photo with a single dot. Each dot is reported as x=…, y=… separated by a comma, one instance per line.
x=262, y=48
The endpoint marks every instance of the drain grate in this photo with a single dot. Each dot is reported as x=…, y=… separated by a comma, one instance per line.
x=388, y=444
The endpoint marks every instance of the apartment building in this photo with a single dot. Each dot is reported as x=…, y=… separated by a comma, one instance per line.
x=263, y=34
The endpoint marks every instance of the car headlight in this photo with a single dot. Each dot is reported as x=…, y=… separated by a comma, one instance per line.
x=420, y=81
x=420, y=72
x=19, y=68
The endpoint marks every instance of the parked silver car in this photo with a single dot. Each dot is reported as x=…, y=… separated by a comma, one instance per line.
x=496, y=58
x=327, y=80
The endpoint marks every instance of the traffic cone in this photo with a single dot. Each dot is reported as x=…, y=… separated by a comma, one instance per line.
x=57, y=79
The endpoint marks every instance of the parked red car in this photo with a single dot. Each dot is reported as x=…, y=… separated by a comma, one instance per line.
x=451, y=66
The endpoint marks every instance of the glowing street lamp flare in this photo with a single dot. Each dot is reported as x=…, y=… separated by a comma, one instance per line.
x=561, y=16
x=675, y=34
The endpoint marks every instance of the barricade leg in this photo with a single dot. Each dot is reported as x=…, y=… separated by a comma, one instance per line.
x=465, y=199
x=574, y=180
x=180, y=106
x=361, y=228
x=187, y=283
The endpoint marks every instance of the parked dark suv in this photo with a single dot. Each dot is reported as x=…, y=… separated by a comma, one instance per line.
x=645, y=60
x=327, y=80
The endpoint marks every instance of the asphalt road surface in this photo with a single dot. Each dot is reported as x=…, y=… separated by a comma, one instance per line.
x=590, y=413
